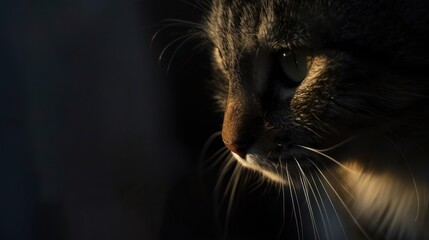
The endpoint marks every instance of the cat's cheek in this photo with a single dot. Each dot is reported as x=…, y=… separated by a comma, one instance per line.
x=315, y=92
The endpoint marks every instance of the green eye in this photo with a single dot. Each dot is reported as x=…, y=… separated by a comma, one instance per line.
x=296, y=64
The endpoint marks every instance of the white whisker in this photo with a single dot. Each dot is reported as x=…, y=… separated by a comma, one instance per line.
x=170, y=44
x=328, y=157
x=295, y=206
x=344, y=204
x=304, y=182
x=283, y=202
x=232, y=188
x=230, y=162
x=325, y=212
x=177, y=50
x=333, y=207
x=335, y=177
x=337, y=145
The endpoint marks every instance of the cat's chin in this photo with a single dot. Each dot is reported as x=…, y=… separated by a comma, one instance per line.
x=267, y=172
x=277, y=169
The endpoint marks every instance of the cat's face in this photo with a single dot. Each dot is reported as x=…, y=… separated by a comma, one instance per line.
x=301, y=75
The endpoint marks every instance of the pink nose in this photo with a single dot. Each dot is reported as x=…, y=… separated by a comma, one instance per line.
x=239, y=149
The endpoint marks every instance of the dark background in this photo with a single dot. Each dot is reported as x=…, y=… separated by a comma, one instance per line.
x=98, y=140
x=94, y=132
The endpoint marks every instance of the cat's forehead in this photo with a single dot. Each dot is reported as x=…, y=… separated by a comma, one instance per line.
x=235, y=24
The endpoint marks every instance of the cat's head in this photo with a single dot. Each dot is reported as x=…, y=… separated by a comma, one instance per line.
x=295, y=76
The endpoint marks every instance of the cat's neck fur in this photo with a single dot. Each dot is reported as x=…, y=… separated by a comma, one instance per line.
x=392, y=200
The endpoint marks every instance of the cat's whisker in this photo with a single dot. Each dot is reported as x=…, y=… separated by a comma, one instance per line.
x=349, y=139
x=177, y=50
x=328, y=128
x=210, y=163
x=191, y=34
x=208, y=142
x=314, y=132
x=194, y=28
x=344, y=204
x=155, y=35
x=305, y=196
x=333, y=207
x=219, y=201
x=280, y=172
x=232, y=189
x=328, y=157
x=305, y=185
x=325, y=212
x=295, y=207
x=184, y=23
x=335, y=177
x=315, y=197
x=256, y=184
x=205, y=148
x=163, y=28
x=277, y=169
x=170, y=44
x=329, y=197
x=327, y=194
x=229, y=163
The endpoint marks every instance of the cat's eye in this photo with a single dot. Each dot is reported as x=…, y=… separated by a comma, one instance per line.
x=296, y=64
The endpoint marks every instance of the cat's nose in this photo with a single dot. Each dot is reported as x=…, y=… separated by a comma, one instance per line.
x=241, y=124
x=239, y=149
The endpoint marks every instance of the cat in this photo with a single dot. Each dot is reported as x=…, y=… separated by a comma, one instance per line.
x=330, y=100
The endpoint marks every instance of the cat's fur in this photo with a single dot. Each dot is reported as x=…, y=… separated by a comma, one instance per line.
x=356, y=128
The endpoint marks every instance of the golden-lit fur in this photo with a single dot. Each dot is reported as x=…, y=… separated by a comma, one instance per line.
x=398, y=205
